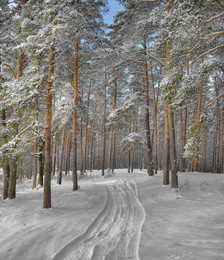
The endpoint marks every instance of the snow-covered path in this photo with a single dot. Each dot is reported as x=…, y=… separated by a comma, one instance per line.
x=115, y=233
x=103, y=219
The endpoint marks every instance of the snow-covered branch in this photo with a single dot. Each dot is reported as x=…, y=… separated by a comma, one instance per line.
x=207, y=52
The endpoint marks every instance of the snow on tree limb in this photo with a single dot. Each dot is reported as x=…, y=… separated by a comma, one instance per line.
x=219, y=3
x=215, y=17
x=207, y=52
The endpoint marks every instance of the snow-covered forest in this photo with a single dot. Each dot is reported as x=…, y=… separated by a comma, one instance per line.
x=111, y=128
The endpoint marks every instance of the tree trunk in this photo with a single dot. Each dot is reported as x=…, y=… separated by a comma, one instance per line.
x=67, y=159
x=129, y=152
x=183, y=127
x=92, y=139
x=166, y=153
x=135, y=129
x=155, y=127
x=48, y=133
x=55, y=155
x=35, y=148
x=104, y=127
x=81, y=145
x=59, y=180
x=147, y=123
x=114, y=152
x=111, y=141
x=86, y=166
x=173, y=159
x=12, y=180
x=81, y=148
x=217, y=142
x=6, y=170
x=174, y=180
x=195, y=162
x=75, y=116
x=41, y=165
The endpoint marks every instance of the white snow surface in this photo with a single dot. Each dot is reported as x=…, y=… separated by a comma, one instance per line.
x=123, y=216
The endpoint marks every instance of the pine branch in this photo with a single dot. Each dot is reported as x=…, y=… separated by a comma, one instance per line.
x=213, y=101
x=219, y=3
x=207, y=52
x=215, y=17
x=137, y=72
x=160, y=62
x=133, y=53
x=215, y=34
x=144, y=1
x=201, y=41
x=11, y=69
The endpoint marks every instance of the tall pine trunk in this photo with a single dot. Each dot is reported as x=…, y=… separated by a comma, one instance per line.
x=55, y=154
x=67, y=158
x=183, y=132
x=86, y=166
x=195, y=161
x=91, y=164
x=35, y=147
x=172, y=140
x=59, y=180
x=166, y=152
x=104, y=127
x=75, y=116
x=147, y=123
x=48, y=133
x=135, y=131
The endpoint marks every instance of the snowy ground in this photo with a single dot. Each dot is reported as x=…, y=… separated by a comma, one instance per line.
x=126, y=216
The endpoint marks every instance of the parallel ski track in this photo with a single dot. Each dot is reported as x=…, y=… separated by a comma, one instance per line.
x=115, y=233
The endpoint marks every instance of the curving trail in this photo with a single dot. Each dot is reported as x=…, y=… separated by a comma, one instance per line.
x=115, y=233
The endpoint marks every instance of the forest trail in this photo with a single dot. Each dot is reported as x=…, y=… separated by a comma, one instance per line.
x=115, y=233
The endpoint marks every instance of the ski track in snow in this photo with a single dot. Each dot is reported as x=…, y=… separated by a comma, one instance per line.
x=115, y=233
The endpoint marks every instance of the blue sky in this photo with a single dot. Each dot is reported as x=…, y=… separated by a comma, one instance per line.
x=114, y=7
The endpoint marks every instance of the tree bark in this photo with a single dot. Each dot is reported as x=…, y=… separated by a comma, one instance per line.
x=195, y=161
x=174, y=179
x=81, y=144
x=12, y=180
x=166, y=153
x=104, y=127
x=59, y=180
x=114, y=152
x=67, y=159
x=41, y=165
x=35, y=147
x=172, y=140
x=6, y=171
x=75, y=116
x=147, y=123
x=183, y=132
x=155, y=127
x=55, y=155
x=86, y=166
x=92, y=140
x=111, y=141
x=48, y=133
x=135, y=131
